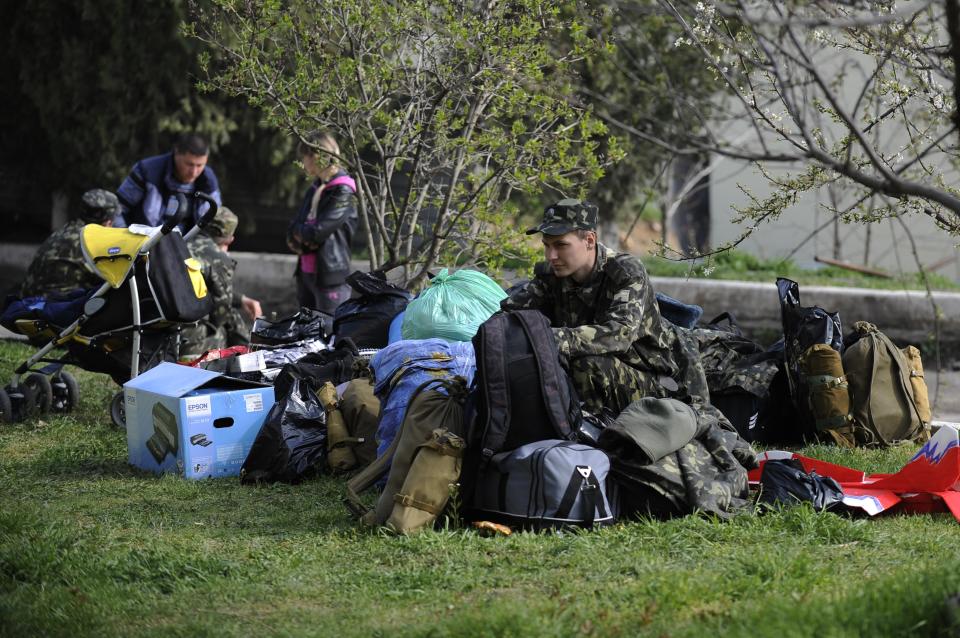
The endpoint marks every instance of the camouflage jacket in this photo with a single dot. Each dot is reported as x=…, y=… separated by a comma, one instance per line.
x=613, y=313
x=218, y=271
x=58, y=265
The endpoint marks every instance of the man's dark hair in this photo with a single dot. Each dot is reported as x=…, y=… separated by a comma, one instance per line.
x=191, y=143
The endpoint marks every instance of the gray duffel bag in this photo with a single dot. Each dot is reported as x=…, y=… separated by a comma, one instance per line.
x=546, y=484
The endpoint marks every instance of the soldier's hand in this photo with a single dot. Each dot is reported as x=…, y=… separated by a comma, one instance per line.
x=251, y=307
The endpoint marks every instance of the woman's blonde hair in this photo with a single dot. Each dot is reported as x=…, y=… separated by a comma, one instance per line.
x=323, y=141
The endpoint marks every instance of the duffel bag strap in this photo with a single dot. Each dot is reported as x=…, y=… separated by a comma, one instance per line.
x=826, y=380
x=580, y=483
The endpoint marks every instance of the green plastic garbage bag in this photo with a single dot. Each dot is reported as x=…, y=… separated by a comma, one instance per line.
x=452, y=307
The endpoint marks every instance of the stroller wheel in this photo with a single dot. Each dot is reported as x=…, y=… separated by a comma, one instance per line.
x=23, y=400
x=118, y=410
x=66, y=392
x=6, y=408
x=42, y=390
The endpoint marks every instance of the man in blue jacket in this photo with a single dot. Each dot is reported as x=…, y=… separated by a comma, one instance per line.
x=148, y=194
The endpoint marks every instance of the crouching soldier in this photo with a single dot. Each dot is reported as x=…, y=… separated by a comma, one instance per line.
x=228, y=322
x=605, y=317
x=58, y=265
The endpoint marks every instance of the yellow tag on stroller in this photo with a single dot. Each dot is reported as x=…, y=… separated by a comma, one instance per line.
x=194, y=269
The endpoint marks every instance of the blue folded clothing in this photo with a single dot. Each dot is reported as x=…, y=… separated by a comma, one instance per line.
x=402, y=367
x=677, y=312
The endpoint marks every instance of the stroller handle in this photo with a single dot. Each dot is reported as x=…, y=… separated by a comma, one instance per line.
x=172, y=221
x=211, y=212
x=176, y=219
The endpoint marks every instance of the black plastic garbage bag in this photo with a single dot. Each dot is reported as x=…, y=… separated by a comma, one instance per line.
x=366, y=317
x=337, y=366
x=292, y=444
x=784, y=481
x=305, y=325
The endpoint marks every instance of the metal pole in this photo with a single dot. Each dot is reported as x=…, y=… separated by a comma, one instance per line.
x=135, y=305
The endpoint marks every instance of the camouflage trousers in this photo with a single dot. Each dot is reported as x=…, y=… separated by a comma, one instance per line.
x=195, y=340
x=606, y=381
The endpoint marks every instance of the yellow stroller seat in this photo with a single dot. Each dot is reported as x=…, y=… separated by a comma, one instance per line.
x=111, y=252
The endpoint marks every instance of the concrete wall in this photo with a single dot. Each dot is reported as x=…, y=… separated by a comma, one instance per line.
x=904, y=315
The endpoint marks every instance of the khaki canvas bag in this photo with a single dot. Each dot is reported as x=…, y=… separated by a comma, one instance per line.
x=827, y=397
x=920, y=394
x=340, y=455
x=360, y=408
x=883, y=400
x=429, y=410
x=426, y=489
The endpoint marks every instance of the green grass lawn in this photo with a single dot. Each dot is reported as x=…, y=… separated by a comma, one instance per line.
x=92, y=547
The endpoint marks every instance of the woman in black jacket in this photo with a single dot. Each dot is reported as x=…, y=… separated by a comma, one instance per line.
x=322, y=230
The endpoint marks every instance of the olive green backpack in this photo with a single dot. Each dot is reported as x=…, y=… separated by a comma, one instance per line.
x=421, y=464
x=883, y=400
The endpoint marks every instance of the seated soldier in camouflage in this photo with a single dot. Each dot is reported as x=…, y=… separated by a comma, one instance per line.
x=605, y=317
x=227, y=324
x=58, y=265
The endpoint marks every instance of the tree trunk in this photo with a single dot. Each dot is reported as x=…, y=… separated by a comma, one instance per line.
x=59, y=214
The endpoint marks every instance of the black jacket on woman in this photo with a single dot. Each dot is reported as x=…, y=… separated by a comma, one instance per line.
x=329, y=238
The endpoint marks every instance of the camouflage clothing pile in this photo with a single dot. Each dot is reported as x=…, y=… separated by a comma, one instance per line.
x=734, y=362
x=58, y=265
x=225, y=325
x=707, y=474
x=616, y=346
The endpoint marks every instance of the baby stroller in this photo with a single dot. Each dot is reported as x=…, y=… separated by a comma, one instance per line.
x=131, y=323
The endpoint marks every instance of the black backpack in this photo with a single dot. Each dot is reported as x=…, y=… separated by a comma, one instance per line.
x=522, y=393
x=804, y=327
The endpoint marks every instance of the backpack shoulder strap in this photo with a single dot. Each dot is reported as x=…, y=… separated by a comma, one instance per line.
x=495, y=388
x=553, y=382
x=369, y=475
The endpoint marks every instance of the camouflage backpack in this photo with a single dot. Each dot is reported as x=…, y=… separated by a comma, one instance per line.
x=887, y=394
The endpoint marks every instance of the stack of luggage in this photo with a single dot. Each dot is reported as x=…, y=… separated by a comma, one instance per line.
x=442, y=407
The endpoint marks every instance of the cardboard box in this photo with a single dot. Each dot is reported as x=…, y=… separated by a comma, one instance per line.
x=197, y=423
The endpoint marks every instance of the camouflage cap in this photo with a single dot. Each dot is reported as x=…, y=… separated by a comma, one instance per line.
x=98, y=205
x=565, y=216
x=223, y=225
